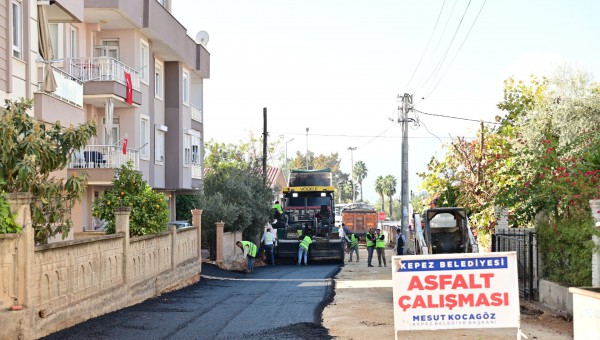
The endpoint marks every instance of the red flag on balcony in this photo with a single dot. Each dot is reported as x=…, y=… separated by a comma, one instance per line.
x=129, y=98
x=125, y=146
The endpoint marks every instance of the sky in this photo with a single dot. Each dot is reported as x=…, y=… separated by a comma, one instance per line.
x=337, y=68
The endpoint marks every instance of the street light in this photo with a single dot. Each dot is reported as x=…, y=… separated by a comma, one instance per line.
x=306, y=148
x=352, y=148
x=286, y=158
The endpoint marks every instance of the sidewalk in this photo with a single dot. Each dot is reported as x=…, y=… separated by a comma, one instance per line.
x=363, y=309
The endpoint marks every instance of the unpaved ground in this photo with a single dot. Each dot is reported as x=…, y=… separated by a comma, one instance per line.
x=362, y=309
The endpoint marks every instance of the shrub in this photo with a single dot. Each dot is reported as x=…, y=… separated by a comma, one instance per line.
x=149, y=209
x=566, y=248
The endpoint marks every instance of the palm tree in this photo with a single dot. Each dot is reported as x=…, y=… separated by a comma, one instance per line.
x=360, y=173
x=389, y=189
x=379, y=188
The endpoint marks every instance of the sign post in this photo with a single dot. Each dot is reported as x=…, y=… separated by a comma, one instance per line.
x=455, y=291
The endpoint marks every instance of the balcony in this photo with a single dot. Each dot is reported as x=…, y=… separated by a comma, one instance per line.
x=105, y=77
x=68, y=88
x=196, y=171
x=65, y=104
x=196, y=113
x=104, y=157
x=65, y=11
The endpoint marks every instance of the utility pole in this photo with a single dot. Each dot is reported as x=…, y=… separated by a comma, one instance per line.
x=404, y=193
x=265, y=134
x=306, y=148
x=352, y=148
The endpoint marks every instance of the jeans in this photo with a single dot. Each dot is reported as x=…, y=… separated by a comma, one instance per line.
x=250, y=263
x=354, y=250
x=300, y=252
x=400, y=251
x=370, y=255
x=269, y=248
x=381, y=255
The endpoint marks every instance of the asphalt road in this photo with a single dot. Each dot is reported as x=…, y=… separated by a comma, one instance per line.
x=281, y=302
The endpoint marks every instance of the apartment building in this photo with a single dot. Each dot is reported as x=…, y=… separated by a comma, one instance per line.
x=130, y=66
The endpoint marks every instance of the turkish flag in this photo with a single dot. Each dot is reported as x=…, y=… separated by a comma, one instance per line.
x=125, y=146
x=129, y=97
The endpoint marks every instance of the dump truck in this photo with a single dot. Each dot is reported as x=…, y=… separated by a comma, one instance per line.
x=359, y=218
x=308, y=206
x=444, y=231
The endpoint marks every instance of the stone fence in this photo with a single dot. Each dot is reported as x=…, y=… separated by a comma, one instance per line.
x=47, y=288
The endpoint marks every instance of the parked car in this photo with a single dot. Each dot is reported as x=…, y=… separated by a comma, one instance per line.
x=180, y=224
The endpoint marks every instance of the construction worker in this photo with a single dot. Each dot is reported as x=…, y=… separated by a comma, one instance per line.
x=380, y=247
x=277, y=210
x=370, y=246
x=303, y=248
x=249, y=250
x=353, y=246
x=268, y=239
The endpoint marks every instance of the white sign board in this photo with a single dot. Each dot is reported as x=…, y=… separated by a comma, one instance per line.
x=450, y=291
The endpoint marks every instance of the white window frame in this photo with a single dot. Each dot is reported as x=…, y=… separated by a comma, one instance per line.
x=159, y=146
x=57, y=42
x=104, y=50
x=187, y=149
x=195, y=142
x=158, y=80
x=145, y=137
x=73, y=42
x=144, y=62
x=17, y=27
x=185, y=87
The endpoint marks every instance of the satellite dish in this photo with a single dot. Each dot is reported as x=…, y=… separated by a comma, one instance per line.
x=202, y=38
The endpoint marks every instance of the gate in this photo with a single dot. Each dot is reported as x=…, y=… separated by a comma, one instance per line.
x=209, y=242
x=524, y=243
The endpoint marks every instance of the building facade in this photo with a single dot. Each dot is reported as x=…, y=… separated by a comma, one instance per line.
x=128, y=65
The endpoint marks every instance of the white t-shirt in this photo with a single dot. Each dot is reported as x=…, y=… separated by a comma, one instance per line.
x=268, y=238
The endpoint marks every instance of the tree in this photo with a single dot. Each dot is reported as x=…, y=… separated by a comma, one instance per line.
x=389, y=189
x=380, y=189
x=234, y=190
x=30, y=152
x=149, y=209
x=360, y=173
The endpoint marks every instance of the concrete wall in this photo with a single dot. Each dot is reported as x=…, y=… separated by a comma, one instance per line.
x=59, y=285
x=556, y=296
x=231, y=252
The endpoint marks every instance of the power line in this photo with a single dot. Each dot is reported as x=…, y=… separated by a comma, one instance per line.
x=358, y=136
x=453, y=117
x=458, y=51
x=439, y=65
x=427, y=46
x=439, y=42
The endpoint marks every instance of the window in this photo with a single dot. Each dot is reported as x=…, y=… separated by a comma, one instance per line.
x=115, y=132
x=159, y=146
x=73, y=39
x=145, y=137
x=187, y=152
x=144, y=61
x=158, y=81
x=107, y=48
x=186, y=88
x=56, y=39
x=17, y=27
x=195, y=142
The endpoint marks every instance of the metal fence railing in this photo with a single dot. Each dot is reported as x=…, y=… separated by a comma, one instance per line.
x=524, y=243
x=104, y=156
x=102, y=69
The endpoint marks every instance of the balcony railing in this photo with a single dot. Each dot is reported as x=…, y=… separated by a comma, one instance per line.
x=68, y=87
x=103, y=68
x=196, y=171
x=104, y=156
x=196, y=113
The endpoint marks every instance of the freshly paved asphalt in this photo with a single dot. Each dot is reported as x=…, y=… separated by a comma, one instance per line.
x=280, y=302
